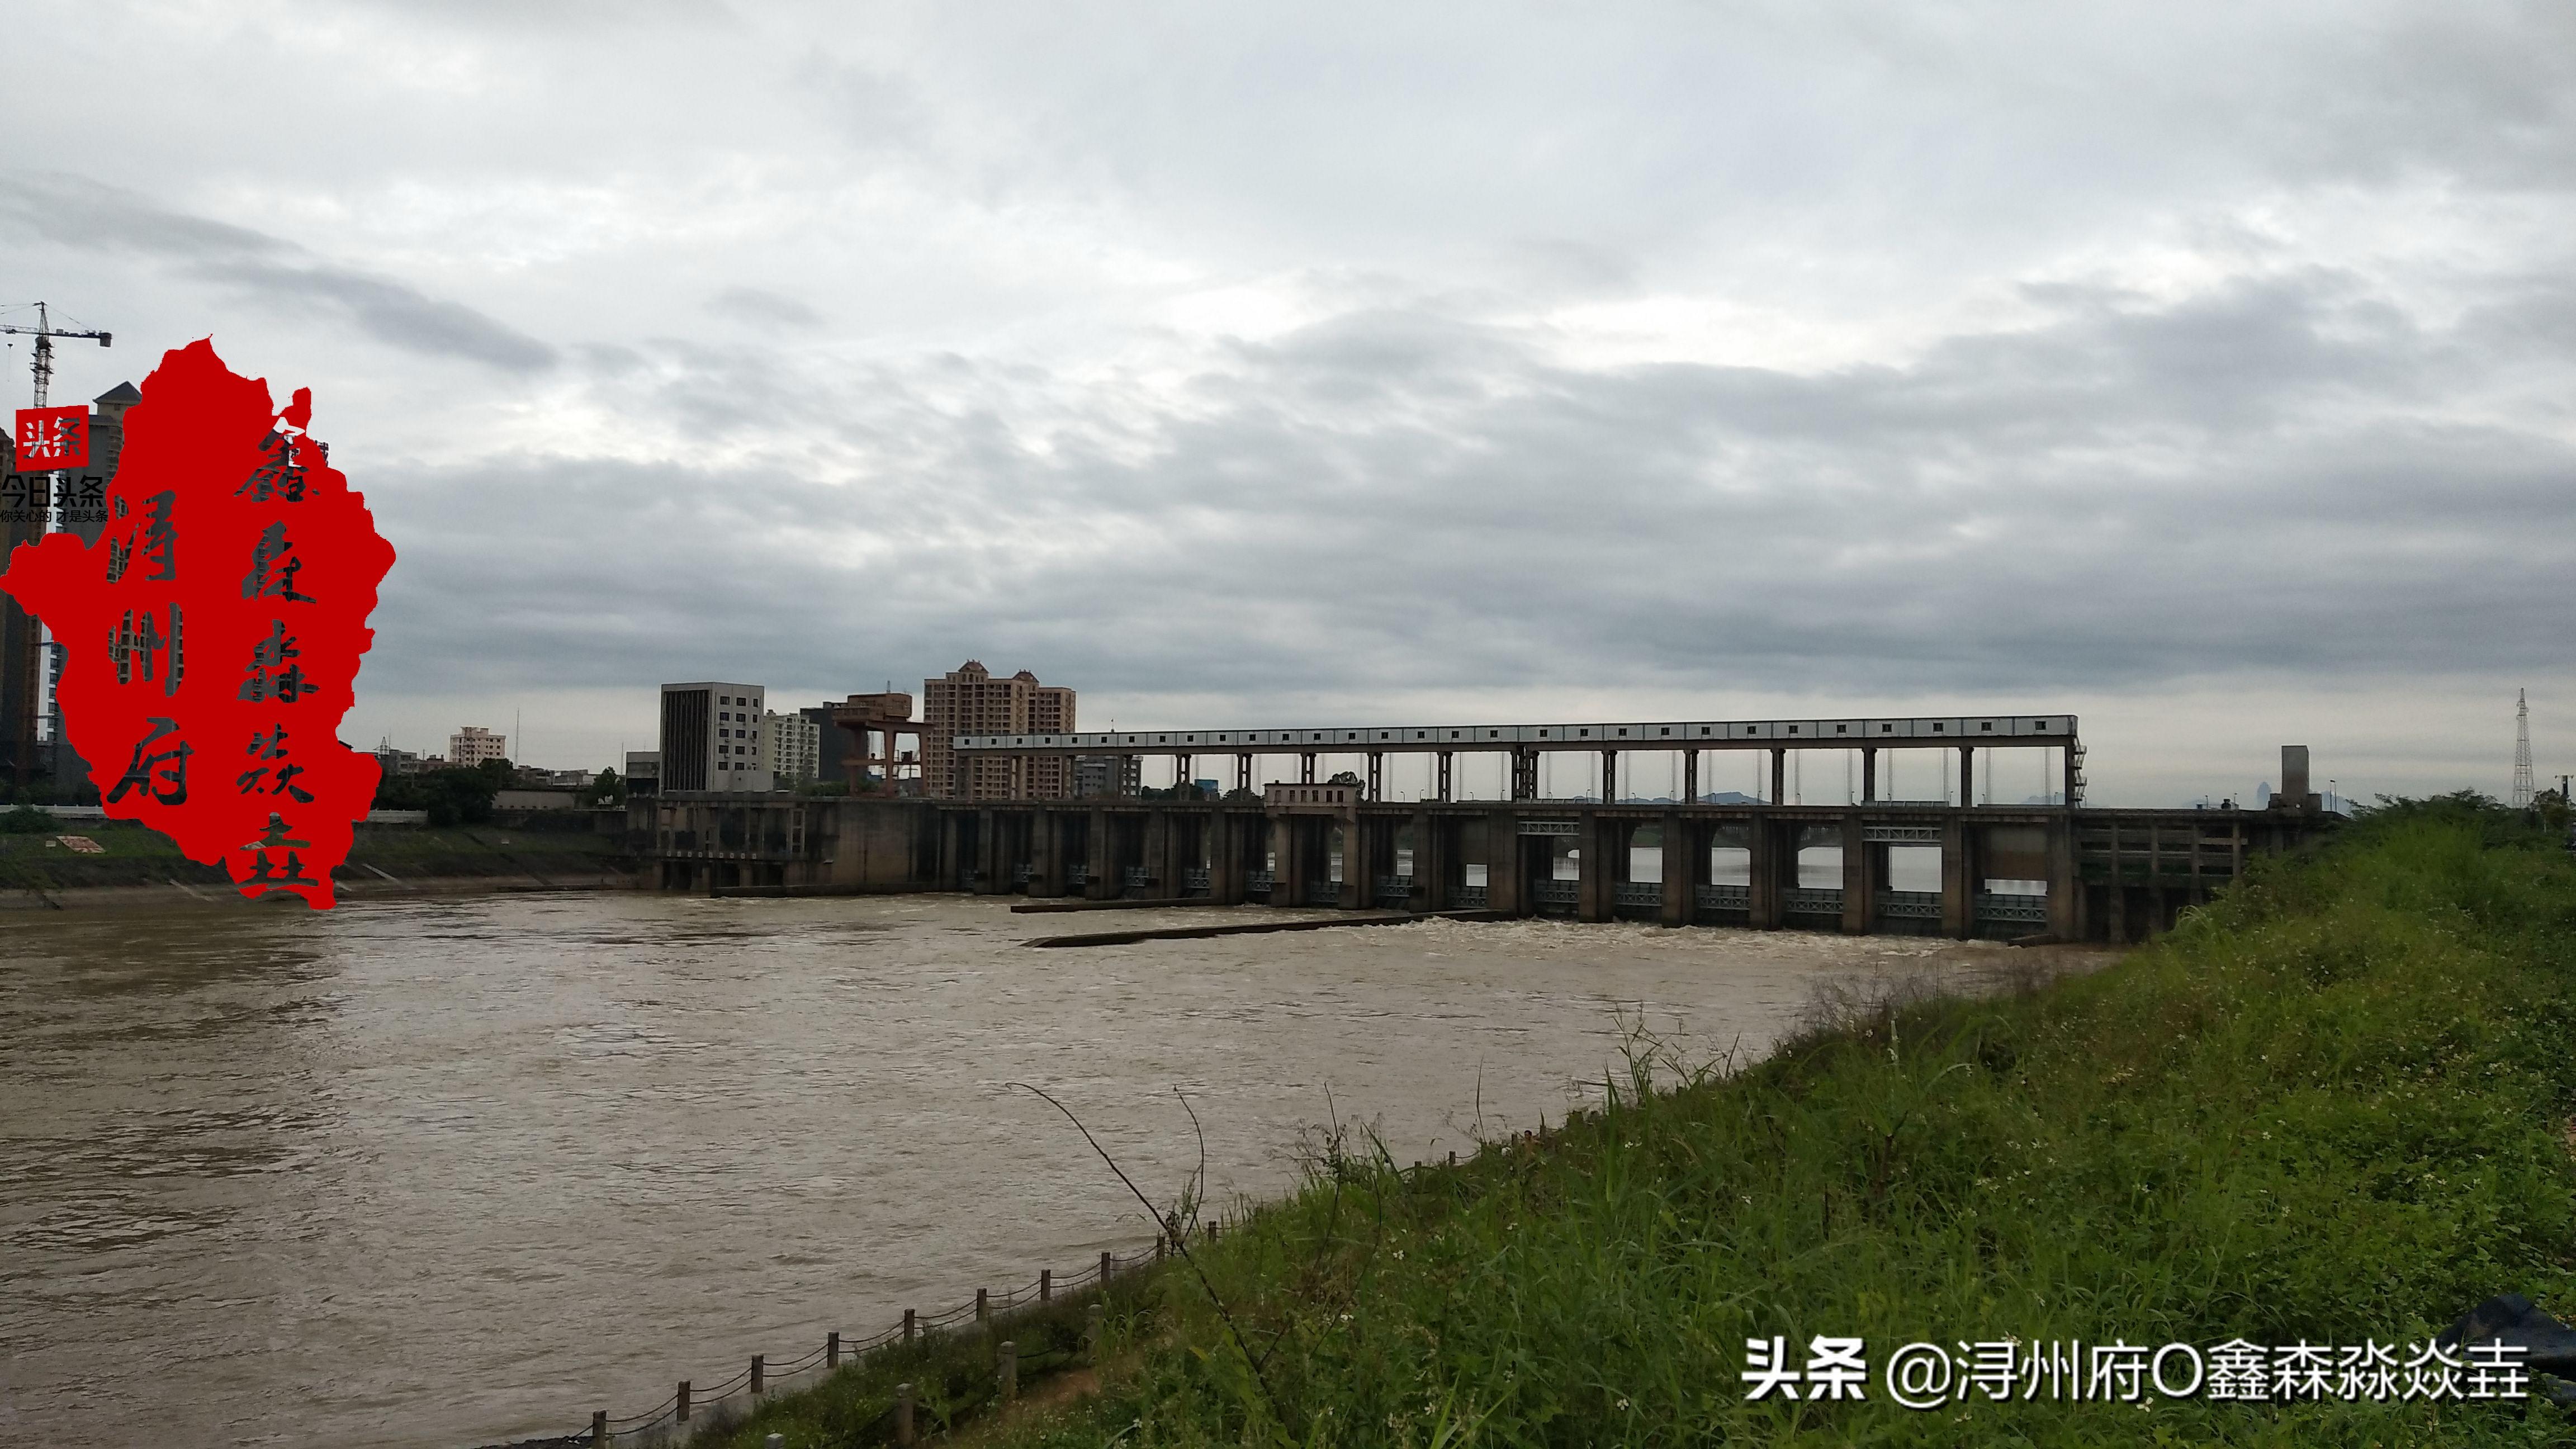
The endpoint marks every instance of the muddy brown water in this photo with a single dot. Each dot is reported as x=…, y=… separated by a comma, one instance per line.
x=438, y=1172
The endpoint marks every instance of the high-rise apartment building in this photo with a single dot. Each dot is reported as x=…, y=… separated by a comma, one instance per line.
x=711, y=738
x=795, y=746
x=970, y=701
x=471, y=745
x=32, y=747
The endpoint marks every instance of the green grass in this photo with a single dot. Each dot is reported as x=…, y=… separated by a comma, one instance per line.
x=2331, y=1107
x=135, y=855
x=952, y=1374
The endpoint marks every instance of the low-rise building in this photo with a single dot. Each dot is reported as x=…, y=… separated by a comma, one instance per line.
x=471, y=745
x=643, y=773
x=1098, y=775
x=396, y=762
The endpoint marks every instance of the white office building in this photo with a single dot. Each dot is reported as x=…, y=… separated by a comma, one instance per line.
x=712, y=738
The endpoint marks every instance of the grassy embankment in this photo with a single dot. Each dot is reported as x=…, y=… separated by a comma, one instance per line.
x=132, y=855
x=2332, y=1107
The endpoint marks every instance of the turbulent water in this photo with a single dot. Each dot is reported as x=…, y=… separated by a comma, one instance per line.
x=439, y=1172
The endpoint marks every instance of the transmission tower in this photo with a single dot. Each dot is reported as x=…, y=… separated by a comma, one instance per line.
x=2522, y=791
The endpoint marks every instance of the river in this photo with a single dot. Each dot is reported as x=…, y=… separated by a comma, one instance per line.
x=442, y=1171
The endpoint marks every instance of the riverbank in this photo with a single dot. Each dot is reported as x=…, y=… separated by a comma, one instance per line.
x=133, y=867
x=2332, y=1109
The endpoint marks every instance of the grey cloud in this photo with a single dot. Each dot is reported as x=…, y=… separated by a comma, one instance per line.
x=2487, y=92
x=761, y=306
x=871, y=109
x=1392, y=500
x=74, y=212
x=391, y=312
x=585, y=18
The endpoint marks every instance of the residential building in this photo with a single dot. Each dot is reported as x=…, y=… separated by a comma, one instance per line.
x=471, y=745
x=22, y=670
x=1050, y=713
x=32, y=746
x=970, y=701
x=795, y=746
x=711, y=737
x=1096, y=775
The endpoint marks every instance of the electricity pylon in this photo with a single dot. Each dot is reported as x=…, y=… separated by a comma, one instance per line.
x=2522, y=791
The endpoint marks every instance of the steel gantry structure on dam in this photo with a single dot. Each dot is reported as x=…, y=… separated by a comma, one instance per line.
x=2012, y=871
x=1527, y=744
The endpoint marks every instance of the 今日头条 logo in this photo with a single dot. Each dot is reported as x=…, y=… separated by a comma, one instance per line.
x=49, y=438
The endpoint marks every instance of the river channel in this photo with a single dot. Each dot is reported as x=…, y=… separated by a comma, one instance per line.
x=437, y=1172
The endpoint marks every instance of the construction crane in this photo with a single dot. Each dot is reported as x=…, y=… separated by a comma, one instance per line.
x=45, y=333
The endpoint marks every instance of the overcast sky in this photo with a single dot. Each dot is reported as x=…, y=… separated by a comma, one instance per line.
x=2207, y=370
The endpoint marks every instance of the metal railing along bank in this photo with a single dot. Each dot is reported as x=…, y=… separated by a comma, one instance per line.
x=691, y=1400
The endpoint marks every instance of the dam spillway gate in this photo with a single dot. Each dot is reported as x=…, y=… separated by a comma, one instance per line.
x=2001, y=872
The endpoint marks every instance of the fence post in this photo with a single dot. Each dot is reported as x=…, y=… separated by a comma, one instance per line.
x=1091, y=1332
x=759, y=1374
x=1160, y=1242
x=983, y=1306
x=1104, y=1270
x=832, y=1352
x=903, y=1415
x=599, y=1428
x=684, y=1401
x=1046, y=1285
x=907, y=1325
x=1211, y=1230
x=1453, y=1157
x=1009, y=1370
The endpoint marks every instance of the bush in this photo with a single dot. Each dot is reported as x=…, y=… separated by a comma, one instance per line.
x=452, y=797
x=28, y=820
